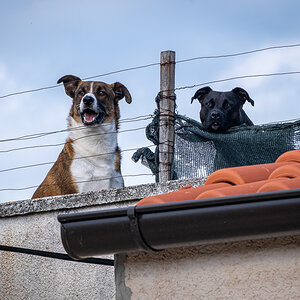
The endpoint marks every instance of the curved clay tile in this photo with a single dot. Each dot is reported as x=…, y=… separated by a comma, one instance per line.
x=287, y=171
x=290, y=156
x=240, y=180
x=248, y=188
x=242, y=175
x=185, y=193
x=280, y=184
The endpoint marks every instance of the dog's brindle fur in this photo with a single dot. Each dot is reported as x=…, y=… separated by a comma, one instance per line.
x=90, y=159
x=222, y=110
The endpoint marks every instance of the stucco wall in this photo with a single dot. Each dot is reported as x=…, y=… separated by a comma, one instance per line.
x=33, y=224
x=31, y=277
x=256, y=269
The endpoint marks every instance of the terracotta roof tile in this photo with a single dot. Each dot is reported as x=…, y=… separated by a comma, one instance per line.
x=247, y=188
x=280, y=184
x=287, y=171
x=281, y=175
x=245, y=174
x=185, y=193
x=289, y=156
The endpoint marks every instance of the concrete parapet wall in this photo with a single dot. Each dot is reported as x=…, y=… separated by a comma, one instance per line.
x=33, y=224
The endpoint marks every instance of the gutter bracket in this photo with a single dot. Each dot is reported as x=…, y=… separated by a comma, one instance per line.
x=135, y=230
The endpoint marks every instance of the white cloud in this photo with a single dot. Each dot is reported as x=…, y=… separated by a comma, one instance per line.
x=276, y=97
x=267, y=62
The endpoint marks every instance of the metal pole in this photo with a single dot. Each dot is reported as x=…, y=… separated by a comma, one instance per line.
x=166, y=114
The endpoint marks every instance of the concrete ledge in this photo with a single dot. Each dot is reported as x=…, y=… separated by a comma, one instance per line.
x=119, y=197
x=33, y=224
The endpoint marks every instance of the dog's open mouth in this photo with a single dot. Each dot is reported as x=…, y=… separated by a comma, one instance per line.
x=215, y=126
x=90, y=117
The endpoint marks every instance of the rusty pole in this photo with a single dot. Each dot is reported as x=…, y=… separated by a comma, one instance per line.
x=166, y=114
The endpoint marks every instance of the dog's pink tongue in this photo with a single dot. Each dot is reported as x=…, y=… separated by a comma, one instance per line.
x=90, y=116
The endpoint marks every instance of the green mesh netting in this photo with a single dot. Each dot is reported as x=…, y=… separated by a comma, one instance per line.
x=198, y=153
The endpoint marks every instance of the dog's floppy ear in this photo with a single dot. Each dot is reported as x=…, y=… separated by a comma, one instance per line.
x=70, y=83
x=121, y=91
x=243, y=95
x=201, y=93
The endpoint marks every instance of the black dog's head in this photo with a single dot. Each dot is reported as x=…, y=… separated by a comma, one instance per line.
x=222, y=110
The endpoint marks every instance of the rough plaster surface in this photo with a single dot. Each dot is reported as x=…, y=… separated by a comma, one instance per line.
x=117, y=197
x=30, y=277
x=33, y=224
x=122, y=291
x=260, y=269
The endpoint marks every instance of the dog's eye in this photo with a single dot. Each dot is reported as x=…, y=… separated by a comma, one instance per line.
x=100, y=93
x=226, y=105
x=210, y=104
x=81, y=93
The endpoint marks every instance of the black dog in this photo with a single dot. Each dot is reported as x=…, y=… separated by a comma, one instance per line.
x=222, y=110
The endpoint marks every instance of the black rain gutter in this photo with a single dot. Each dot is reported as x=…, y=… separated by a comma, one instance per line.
x=177, y=224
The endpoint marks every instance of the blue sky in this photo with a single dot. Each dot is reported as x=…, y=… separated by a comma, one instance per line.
x=43, y=40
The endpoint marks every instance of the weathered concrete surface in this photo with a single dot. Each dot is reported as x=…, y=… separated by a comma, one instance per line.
x=260, y=269
x=117, y=197
x=122, y=291
x=30, y=277
x=33, y=224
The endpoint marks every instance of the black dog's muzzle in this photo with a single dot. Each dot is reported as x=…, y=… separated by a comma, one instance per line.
x=215, y=122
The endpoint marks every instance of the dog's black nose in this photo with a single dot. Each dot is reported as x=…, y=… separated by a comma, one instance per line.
x=88, y=100
x=215, y=115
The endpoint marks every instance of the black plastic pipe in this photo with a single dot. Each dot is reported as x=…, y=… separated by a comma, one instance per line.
x=177, y=224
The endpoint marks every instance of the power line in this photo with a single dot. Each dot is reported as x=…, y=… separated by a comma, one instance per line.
x=42, y=134
x=52, y=162
x=55, y=255
x=30, y=91
x=237, y=54
x=110, y=132
x=156, y=64
x=86, y=78
x=31, y=147
x=38, y=135
x=238, y=77
x=122, y=70
x=76, y=182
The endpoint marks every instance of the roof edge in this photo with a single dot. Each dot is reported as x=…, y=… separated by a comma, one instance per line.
x=180, y=224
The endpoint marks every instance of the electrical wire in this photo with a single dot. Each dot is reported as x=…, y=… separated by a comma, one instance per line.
x=55, y=255
x=86, y=78
x=237, y=54
x=33, y=136
x=75, y=158
x=42, y=134
x=156, y=64
x=37, y=135
x=237, y=77
x=76, y=182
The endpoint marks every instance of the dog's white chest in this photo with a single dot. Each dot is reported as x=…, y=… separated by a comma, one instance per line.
x=95, y=175
x=93, y=166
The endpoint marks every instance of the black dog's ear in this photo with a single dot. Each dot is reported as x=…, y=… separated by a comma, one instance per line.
x=121, y=91
x=243, y=95
x=70, y=83
x=201, y=93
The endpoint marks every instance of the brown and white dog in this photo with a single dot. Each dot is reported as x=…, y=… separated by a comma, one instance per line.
x=90, y=159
